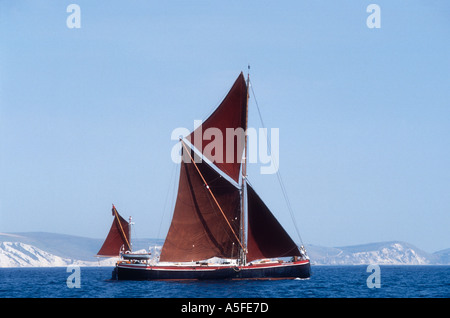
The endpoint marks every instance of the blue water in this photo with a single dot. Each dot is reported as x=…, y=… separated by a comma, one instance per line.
x=325, y=282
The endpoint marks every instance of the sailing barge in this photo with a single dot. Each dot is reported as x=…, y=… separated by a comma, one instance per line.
x=221, y=229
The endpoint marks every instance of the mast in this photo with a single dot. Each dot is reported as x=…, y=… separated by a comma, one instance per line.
x=130, y=223
x=244, y=176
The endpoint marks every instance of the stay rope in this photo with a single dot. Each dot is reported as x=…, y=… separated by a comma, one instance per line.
x=278, y=173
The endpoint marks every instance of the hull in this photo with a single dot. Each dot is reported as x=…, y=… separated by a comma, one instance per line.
x=284, y=270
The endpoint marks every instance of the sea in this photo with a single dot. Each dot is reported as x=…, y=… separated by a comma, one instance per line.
x=325, y=282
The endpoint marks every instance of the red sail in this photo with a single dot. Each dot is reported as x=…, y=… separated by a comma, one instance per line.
x=266, y=236
x=118, y=236
x=199, y=230
x=228, y=120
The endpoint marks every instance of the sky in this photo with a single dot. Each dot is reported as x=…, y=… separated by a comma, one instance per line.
x=86, y=114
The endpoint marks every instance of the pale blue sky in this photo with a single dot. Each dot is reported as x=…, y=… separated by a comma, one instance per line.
x=364, y=114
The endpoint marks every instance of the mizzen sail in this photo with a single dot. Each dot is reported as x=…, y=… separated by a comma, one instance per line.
x=118, y=237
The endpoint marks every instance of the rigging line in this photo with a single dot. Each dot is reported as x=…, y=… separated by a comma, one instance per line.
x=278, y=173
x=222, y=226
x=171, y=182
x=209, y=189
x=215, y=179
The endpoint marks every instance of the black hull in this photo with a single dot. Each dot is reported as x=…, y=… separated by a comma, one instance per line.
x=270, y=271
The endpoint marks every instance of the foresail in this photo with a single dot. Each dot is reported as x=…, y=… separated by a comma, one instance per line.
x=266, y=237
x=199, y=228
x=221, y=136
x=118, y=237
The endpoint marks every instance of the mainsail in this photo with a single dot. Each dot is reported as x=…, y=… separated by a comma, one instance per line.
x=118, y=237
x=208, y=220
x=199, y=230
